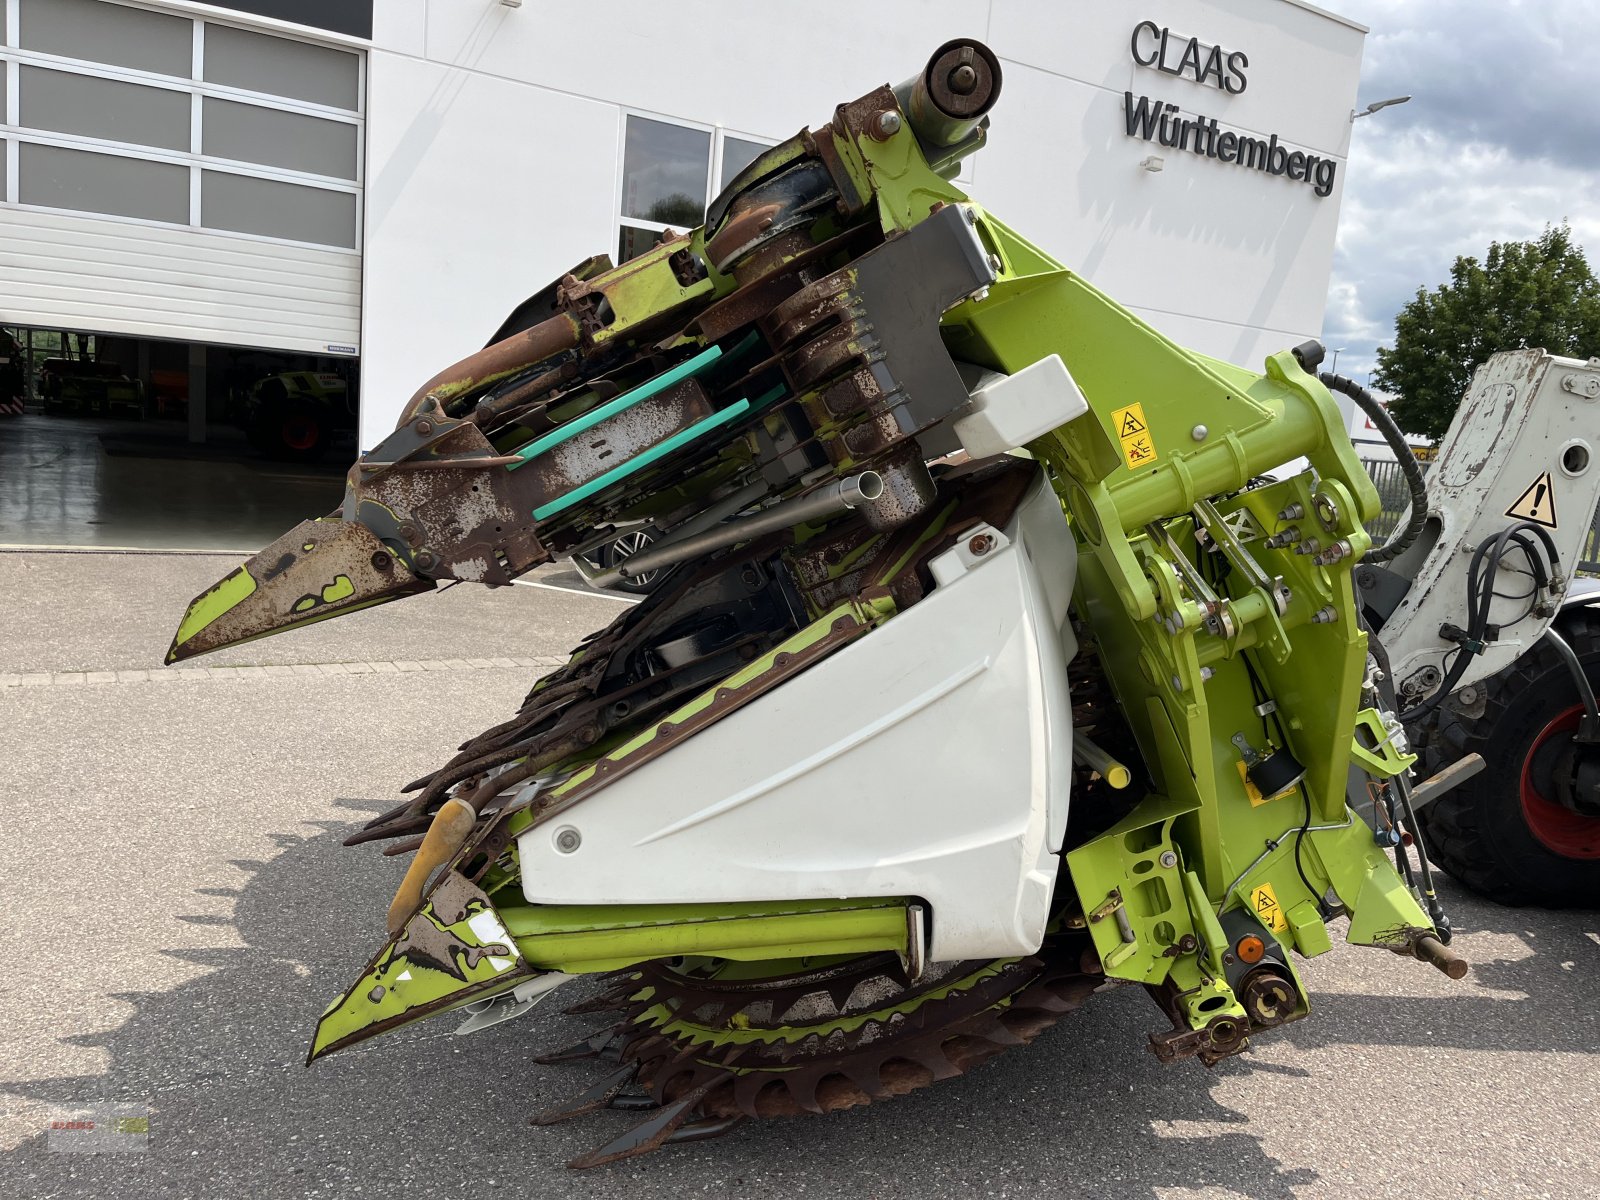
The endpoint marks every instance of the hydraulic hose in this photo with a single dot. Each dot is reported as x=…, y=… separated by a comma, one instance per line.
x=1402, y=452
x=1482, y=574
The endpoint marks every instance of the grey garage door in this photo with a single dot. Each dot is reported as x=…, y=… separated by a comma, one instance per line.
x=172, y=177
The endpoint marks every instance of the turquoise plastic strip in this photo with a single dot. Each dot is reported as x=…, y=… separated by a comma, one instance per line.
x=612, y=407
x=746, y=344
x=639, y=462
x=767, y=398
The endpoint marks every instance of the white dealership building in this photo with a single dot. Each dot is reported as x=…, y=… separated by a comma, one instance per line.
x=343, y=181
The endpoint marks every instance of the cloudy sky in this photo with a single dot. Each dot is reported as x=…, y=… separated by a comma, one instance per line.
x=1501, y=138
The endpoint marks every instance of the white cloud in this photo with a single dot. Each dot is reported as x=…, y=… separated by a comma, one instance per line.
x=1497, y=143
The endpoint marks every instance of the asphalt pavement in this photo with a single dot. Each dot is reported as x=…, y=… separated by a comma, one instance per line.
x=179, y=911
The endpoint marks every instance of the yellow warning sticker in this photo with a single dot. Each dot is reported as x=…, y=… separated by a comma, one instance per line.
x=1251, y=790
x=1537, y=504
x=1133, y=434
x=1130, y=420
x=1264, y=902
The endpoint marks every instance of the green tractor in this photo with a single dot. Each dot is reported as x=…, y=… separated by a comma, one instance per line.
x=300, y=415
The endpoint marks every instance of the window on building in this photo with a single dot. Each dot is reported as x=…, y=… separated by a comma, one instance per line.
x=124, y=112
x=668, y=172
x=737, y=154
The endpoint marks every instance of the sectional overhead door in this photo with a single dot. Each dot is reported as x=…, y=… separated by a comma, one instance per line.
x=171, y=177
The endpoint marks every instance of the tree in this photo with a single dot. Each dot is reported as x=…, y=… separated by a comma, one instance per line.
x=677, y=209
x=1539, y=293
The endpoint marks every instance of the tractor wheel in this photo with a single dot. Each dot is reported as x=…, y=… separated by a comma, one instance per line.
x=289, y=428
x=1502, y=832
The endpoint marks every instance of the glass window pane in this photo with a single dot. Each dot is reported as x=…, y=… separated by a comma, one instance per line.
x=275, y=66
x=103, y=108
x=737, y=154
x=664, y=171
x=102, y=183
x=633, y=242
x=109, y=33
x=341, y=16
x=275, y=209
x=277, y=138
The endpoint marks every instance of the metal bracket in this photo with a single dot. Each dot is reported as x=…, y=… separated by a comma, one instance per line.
x=1384, y=758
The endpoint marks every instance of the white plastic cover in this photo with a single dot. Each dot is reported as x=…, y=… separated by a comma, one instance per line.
x=1007, y=411
x=930, y=758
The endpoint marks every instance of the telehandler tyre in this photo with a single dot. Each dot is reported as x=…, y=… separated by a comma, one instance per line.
x=1501, y=832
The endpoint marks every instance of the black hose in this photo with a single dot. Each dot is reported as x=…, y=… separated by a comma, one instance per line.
x=1482, y=575
x=1402, y=452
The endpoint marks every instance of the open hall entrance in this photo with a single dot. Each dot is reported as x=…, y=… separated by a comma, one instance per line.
x=144, y=443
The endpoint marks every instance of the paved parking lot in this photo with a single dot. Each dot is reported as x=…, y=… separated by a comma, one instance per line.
x=180, y=910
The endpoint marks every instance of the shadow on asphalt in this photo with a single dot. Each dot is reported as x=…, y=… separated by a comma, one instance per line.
x=1084, y=1109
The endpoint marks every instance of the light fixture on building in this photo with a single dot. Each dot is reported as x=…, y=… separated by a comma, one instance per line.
x=1153, y=162
x=1376, y=105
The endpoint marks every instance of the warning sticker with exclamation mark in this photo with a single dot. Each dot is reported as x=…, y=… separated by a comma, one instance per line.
x=1537, y=504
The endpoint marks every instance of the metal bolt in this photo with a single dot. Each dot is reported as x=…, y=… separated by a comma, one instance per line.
x=1207, y=672
x=979, y=296
x=1177, y=684
x=1334, y=553
x=381, y=561
x=1327, y=511
x=1169, y=859
x=424, y=428
x=888, y=123
x=995, y=264
x=424, y=559
x=1309, y=546
x=1293, y=512
x=963, y=79
x=1198, y=433
x=568, y=839
x=376, y=993
x=981, y=544
x=1325, y=616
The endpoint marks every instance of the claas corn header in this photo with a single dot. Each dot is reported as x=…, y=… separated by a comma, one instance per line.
x=980, y=676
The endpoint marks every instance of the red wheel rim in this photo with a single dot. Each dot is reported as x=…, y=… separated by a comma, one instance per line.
x=299, y=433
x=1560, y=830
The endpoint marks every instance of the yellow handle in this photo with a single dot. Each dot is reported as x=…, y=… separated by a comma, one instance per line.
x=451, y=825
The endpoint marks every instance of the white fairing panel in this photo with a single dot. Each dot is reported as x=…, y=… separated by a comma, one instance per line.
x=930, y=758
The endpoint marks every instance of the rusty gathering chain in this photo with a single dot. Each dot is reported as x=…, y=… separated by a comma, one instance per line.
x=702, y=1057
